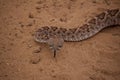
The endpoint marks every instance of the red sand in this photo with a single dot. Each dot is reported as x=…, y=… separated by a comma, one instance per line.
x=21, y=58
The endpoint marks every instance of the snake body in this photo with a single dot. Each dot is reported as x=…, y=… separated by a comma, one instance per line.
x=55, y=36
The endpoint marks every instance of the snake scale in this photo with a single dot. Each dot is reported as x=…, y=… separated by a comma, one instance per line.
x=55, y=37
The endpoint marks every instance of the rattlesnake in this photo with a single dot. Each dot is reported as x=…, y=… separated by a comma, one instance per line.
x=55, y=37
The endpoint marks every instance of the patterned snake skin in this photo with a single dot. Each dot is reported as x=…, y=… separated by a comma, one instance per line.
x=55, y=37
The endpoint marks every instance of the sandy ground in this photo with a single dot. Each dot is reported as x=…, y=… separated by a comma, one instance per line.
x=21, y=58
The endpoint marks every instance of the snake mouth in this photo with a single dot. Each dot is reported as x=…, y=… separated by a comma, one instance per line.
x=39, y=40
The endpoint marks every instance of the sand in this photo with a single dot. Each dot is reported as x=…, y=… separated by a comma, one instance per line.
x=21, y=58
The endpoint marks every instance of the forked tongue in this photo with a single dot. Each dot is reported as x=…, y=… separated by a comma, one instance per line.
x=54, y=53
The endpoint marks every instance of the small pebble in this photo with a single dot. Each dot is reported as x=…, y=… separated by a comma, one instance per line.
x=31, y=15
x=35, y=60
x=37, y=50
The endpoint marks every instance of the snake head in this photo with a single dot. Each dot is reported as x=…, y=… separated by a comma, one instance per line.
x=54, y=41
x=55, y=44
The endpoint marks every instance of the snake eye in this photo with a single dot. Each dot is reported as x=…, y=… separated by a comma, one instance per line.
x=51, y=45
